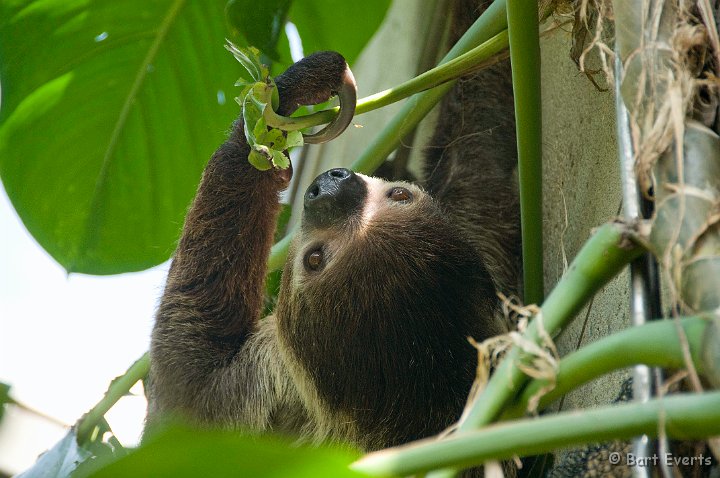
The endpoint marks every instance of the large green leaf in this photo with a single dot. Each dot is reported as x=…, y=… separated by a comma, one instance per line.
x=109, y=112
x=192, y=453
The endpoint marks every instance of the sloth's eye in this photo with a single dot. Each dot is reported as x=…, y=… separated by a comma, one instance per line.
x=314, y=260
x=400, y=194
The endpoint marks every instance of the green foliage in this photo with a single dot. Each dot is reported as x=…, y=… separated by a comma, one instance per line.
x=258, y=93
x=110, y=111
x=250, y=60
x=181, y=453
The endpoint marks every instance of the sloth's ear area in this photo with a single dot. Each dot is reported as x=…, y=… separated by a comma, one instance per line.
x=316, y=79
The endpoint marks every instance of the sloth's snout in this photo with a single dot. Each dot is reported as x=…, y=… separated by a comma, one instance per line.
x=333, y=197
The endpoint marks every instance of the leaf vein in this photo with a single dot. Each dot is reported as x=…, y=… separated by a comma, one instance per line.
x=91, y=223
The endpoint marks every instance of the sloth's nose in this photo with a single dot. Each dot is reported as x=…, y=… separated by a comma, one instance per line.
x=333, y=197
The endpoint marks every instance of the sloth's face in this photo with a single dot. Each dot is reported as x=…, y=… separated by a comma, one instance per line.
x=374, y=249
x=354, y=219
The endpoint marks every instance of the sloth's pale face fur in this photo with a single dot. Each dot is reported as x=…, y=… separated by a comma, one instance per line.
x=340, y=242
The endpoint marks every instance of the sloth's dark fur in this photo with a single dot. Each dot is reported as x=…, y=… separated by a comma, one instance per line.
x=372, y=347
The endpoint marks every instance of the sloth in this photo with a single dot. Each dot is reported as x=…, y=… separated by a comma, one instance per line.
x=384, y=283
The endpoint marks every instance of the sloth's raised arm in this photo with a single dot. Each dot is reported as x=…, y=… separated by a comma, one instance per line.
x=208, y=355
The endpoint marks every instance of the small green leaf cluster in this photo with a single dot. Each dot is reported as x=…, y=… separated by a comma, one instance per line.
x=268, y=146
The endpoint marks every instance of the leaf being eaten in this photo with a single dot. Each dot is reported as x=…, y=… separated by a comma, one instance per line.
x=268, y=146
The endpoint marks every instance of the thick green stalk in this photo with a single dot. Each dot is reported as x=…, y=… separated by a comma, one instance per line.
x=601, y=258
x=524, y=39
x=682, y=416
x=654, y=344
x=117, y=389
x=490, y=24
x=442, y=73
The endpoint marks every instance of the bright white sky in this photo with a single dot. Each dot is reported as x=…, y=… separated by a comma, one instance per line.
x=63, y=338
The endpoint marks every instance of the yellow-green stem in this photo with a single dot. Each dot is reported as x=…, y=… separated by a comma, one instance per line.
x=442, y=73
x=118, y=387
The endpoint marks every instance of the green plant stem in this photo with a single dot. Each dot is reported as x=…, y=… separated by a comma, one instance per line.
x=685, y=416
x=524, y=40
x=117, y=389
x=280, y=249
x=491, y=23
x=654, y=344
x=442, y=73
x=603, y=256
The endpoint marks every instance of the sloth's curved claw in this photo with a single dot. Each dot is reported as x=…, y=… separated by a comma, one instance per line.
x=347, y=95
